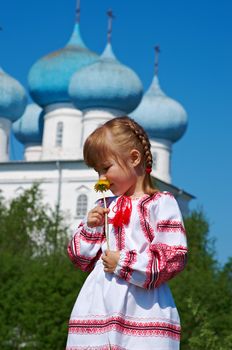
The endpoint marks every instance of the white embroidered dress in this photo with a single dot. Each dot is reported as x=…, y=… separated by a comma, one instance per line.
x=132, y=308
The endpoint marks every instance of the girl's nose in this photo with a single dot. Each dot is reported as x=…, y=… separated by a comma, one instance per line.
x=102, y=177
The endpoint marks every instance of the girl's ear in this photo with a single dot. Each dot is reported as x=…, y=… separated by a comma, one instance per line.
x=135, y=157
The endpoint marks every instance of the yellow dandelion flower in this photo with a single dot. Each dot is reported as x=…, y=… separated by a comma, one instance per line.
x=102, y=186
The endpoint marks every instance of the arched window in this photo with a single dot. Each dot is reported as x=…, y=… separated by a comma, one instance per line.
x=19, y=190
x=82, y=203
x=59, y=134
x=7, y=144
x=155, y=160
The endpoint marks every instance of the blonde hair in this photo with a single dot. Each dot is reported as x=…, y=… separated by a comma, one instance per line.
x=126, y=135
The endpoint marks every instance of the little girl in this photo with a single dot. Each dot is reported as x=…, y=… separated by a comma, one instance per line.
x=125, y=303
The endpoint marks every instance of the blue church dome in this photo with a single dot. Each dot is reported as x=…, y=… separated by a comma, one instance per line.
x=50, y=76
x=106, y=84
x=29, y=128
x=12, y=97
x=161, y=116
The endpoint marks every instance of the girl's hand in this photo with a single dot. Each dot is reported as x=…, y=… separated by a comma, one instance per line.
x=110, y=260
x=96, y=216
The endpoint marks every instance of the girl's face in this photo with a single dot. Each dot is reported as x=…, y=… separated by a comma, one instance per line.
x=122, y=179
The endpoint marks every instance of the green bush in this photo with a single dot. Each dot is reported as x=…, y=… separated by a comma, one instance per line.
x=39, y=284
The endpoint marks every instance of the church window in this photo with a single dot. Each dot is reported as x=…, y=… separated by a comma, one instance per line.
x=59, y=134
x=7, y=144
x=155, y=159
x=82, y=203
x=19, y=190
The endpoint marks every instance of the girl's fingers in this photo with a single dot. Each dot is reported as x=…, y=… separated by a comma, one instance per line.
x=99, y=210
x=105, y=262
x=104, y=259
x=96, y=216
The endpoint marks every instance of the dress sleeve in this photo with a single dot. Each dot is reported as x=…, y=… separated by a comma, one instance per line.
x=165, y=255
x=84, y=249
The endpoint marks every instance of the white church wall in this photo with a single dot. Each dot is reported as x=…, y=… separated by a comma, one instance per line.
x=161, y=151
x=32, y=152
x=5, y=126
x=62, y=133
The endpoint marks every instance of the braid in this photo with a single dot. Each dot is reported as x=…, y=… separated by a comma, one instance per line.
x=142, y=136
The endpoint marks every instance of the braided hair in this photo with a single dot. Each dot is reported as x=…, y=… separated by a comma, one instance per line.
x=143, y=138
x=126, y=135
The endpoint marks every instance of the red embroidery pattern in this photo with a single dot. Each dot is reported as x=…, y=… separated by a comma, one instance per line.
x=170, y=261
x=83, y=262
x=122, y=325
x=74, y=246
x=151, y=271
x=148, y=231
x=128, y=262
x=143, y=212
x=161, y=266
x=92, y=238
x=120, y=237
x=170, y=226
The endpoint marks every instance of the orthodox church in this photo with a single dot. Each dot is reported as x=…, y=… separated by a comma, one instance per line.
x=75, y=90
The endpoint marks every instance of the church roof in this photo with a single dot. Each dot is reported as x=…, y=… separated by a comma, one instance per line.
x=49, y=77
x=12, y=97
x=106, y=84
x=161, y=116
x=29, y=128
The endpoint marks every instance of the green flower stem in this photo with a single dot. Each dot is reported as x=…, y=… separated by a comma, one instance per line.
x=106, y=223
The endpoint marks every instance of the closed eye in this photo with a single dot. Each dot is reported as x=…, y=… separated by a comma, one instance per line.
x=103, y=169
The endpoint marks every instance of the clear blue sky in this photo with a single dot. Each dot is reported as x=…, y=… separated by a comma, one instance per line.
x=195, y=68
